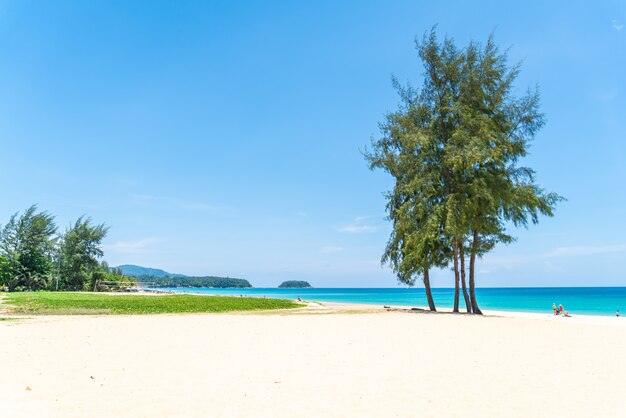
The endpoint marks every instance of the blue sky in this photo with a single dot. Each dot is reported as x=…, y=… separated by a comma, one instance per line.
x=225, y=137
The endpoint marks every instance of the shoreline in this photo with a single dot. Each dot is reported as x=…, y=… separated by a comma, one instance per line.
x=589, y=318
x=588, y=301
x=317, y=307
x=574, y=319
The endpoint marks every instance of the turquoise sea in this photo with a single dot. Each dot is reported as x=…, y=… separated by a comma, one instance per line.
x=575, y=300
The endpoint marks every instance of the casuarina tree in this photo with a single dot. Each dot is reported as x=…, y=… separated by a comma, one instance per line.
x=453, y=148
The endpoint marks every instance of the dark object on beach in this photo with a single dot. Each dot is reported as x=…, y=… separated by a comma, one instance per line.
x=387, y=307
x=295, y=284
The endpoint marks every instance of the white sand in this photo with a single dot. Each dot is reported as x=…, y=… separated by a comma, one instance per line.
x=377, y=364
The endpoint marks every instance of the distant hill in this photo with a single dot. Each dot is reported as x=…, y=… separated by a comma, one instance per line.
x=160, y=278
x=132, y=270
x=295, y=284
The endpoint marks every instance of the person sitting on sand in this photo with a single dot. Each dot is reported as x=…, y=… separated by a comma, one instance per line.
x=554, y=308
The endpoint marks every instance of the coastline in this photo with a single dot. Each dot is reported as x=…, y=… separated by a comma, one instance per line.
x=598, y=301
x=373, y=307
x=574, y=319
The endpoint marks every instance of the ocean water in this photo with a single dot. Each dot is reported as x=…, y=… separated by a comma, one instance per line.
x=575, y=300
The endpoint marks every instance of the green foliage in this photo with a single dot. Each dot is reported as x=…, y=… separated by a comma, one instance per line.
x=453, y=148
x=6, y=273
x=68, y=303
x=34, y=257
x=295, y=284
x=27, y=243
x=79, y=251
x=105, y=279
x=184, y=281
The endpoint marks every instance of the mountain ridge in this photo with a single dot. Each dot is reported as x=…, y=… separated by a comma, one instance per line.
x=133, y=270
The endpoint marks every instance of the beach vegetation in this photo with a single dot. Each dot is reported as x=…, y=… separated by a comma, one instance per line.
x=72, y=303
x=454, y=148
x=27, y=245
x=78, y=255
x=34, y=256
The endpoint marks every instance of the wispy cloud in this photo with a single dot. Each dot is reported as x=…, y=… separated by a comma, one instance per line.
x=585, y=250
x=358, y=226
x=173, y=201
x=141, y=246
x=358, y=229
x=617, y=25
x=331, y=250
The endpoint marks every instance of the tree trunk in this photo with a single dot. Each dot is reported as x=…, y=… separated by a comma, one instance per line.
x=456, y=277
x=472, y=286
x=468, y=304
x=429, y=294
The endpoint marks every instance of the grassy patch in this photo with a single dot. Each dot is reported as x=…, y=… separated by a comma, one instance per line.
x=81, y=303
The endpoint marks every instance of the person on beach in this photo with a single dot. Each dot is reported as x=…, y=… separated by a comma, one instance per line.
x=554, y=308
x=299, y=300
x=617, y=313
x=560, y=309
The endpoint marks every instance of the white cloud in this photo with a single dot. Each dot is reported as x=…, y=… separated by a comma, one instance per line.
x=331, y=250
x=586, y=250
x=131, y=247
x=358, y=229
x=358, y=226
x=617, y=25
x=173, y=201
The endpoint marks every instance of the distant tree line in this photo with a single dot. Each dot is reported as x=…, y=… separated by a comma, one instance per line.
x=34, y=255
x=187, y=281
x=453, y=148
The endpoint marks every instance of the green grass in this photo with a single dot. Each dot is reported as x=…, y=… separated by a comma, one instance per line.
x=81, y=303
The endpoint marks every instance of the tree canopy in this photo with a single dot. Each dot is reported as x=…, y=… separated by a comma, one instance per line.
x=453, y=148
x=34, y=256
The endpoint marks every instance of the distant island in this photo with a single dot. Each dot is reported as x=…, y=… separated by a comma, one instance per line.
x=160, y=278
x=295, y=284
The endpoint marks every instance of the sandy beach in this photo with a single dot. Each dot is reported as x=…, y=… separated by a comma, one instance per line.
x=333, y=361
